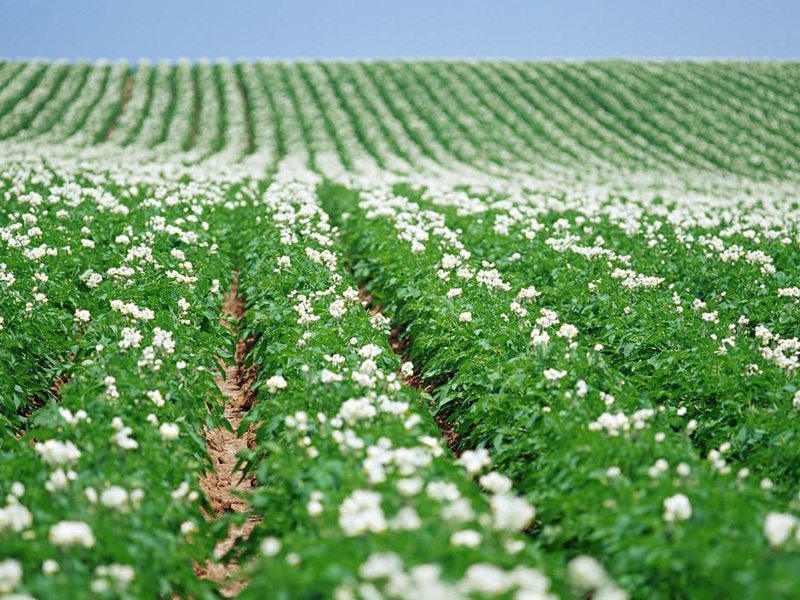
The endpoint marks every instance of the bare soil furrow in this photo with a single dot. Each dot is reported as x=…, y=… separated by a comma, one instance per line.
x=225, y=488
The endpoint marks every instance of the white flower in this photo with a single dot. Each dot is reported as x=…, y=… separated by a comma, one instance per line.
x=407, y=370
x=513, y=546
x=528, y=293
x=114, y=497
x=410, y=486
x=131, y=338
x=113, y=576
x=169, y=431
x=275, y=383
x=778, y=527
x=381, y=565
x=314, y=508
x=10, y=575
x=72, y=419
x=458, y=511
x=539, y=337
x=15, y=517
x=465, y=317
x=70, y=533
x=406, y=519
x=474, y=460
x=54, y=452
x=371, y=351
x=122, y=437
x=677, y=508
x=567, y=331
x=270, y=546
x=792, y=292
x=314, y=505
x=496, y=483
x=82, y=316
x=442, y=490
x=356, y=409
x=361, y=512
x=337, y=308
x=379, y=322
x=50, y=567
x=466, y=537
x=511, y=513
x=554, y=374
x=156, y=398
x=547, y=319
x=58, y=480
x=586, y=574
x=328, y=376
x=487, y=579
x=188, y=527
x=163, y=339
x=137, y=496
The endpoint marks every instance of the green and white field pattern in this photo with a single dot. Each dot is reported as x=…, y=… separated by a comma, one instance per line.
x=400, y=330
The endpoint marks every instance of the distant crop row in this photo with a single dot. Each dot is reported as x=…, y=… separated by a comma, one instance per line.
x=495, y=117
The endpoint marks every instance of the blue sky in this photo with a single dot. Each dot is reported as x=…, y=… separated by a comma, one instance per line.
x=408, y=28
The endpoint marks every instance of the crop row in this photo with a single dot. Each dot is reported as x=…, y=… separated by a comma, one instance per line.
x=357, y=494
x=611, y=464
x=711, y=336
x=523, y=121
x=109, y=336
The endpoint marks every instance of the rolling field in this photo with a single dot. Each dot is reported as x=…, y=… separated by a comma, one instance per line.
x=400, y=330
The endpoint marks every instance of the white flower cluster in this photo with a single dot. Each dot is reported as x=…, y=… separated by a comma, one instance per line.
x=778, y=528
x=481, y=580
x=616, y=423
x=56, y=452
x=71, y=533
x=361, y=512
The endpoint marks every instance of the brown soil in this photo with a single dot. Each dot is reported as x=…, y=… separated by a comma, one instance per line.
x=368, y=301
x=225, y=487
x=126, y=95
x=247, y=117
x=195, y=113
x=451, y=438
x=35, y=404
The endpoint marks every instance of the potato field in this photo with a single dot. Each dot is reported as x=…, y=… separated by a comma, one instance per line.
x=401, y=330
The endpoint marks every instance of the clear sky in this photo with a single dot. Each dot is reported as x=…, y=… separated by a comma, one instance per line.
x=406, y=28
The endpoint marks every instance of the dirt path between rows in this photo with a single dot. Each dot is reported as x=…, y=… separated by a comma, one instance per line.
x=399, y=342
x=225, y=486
x=126, y=96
